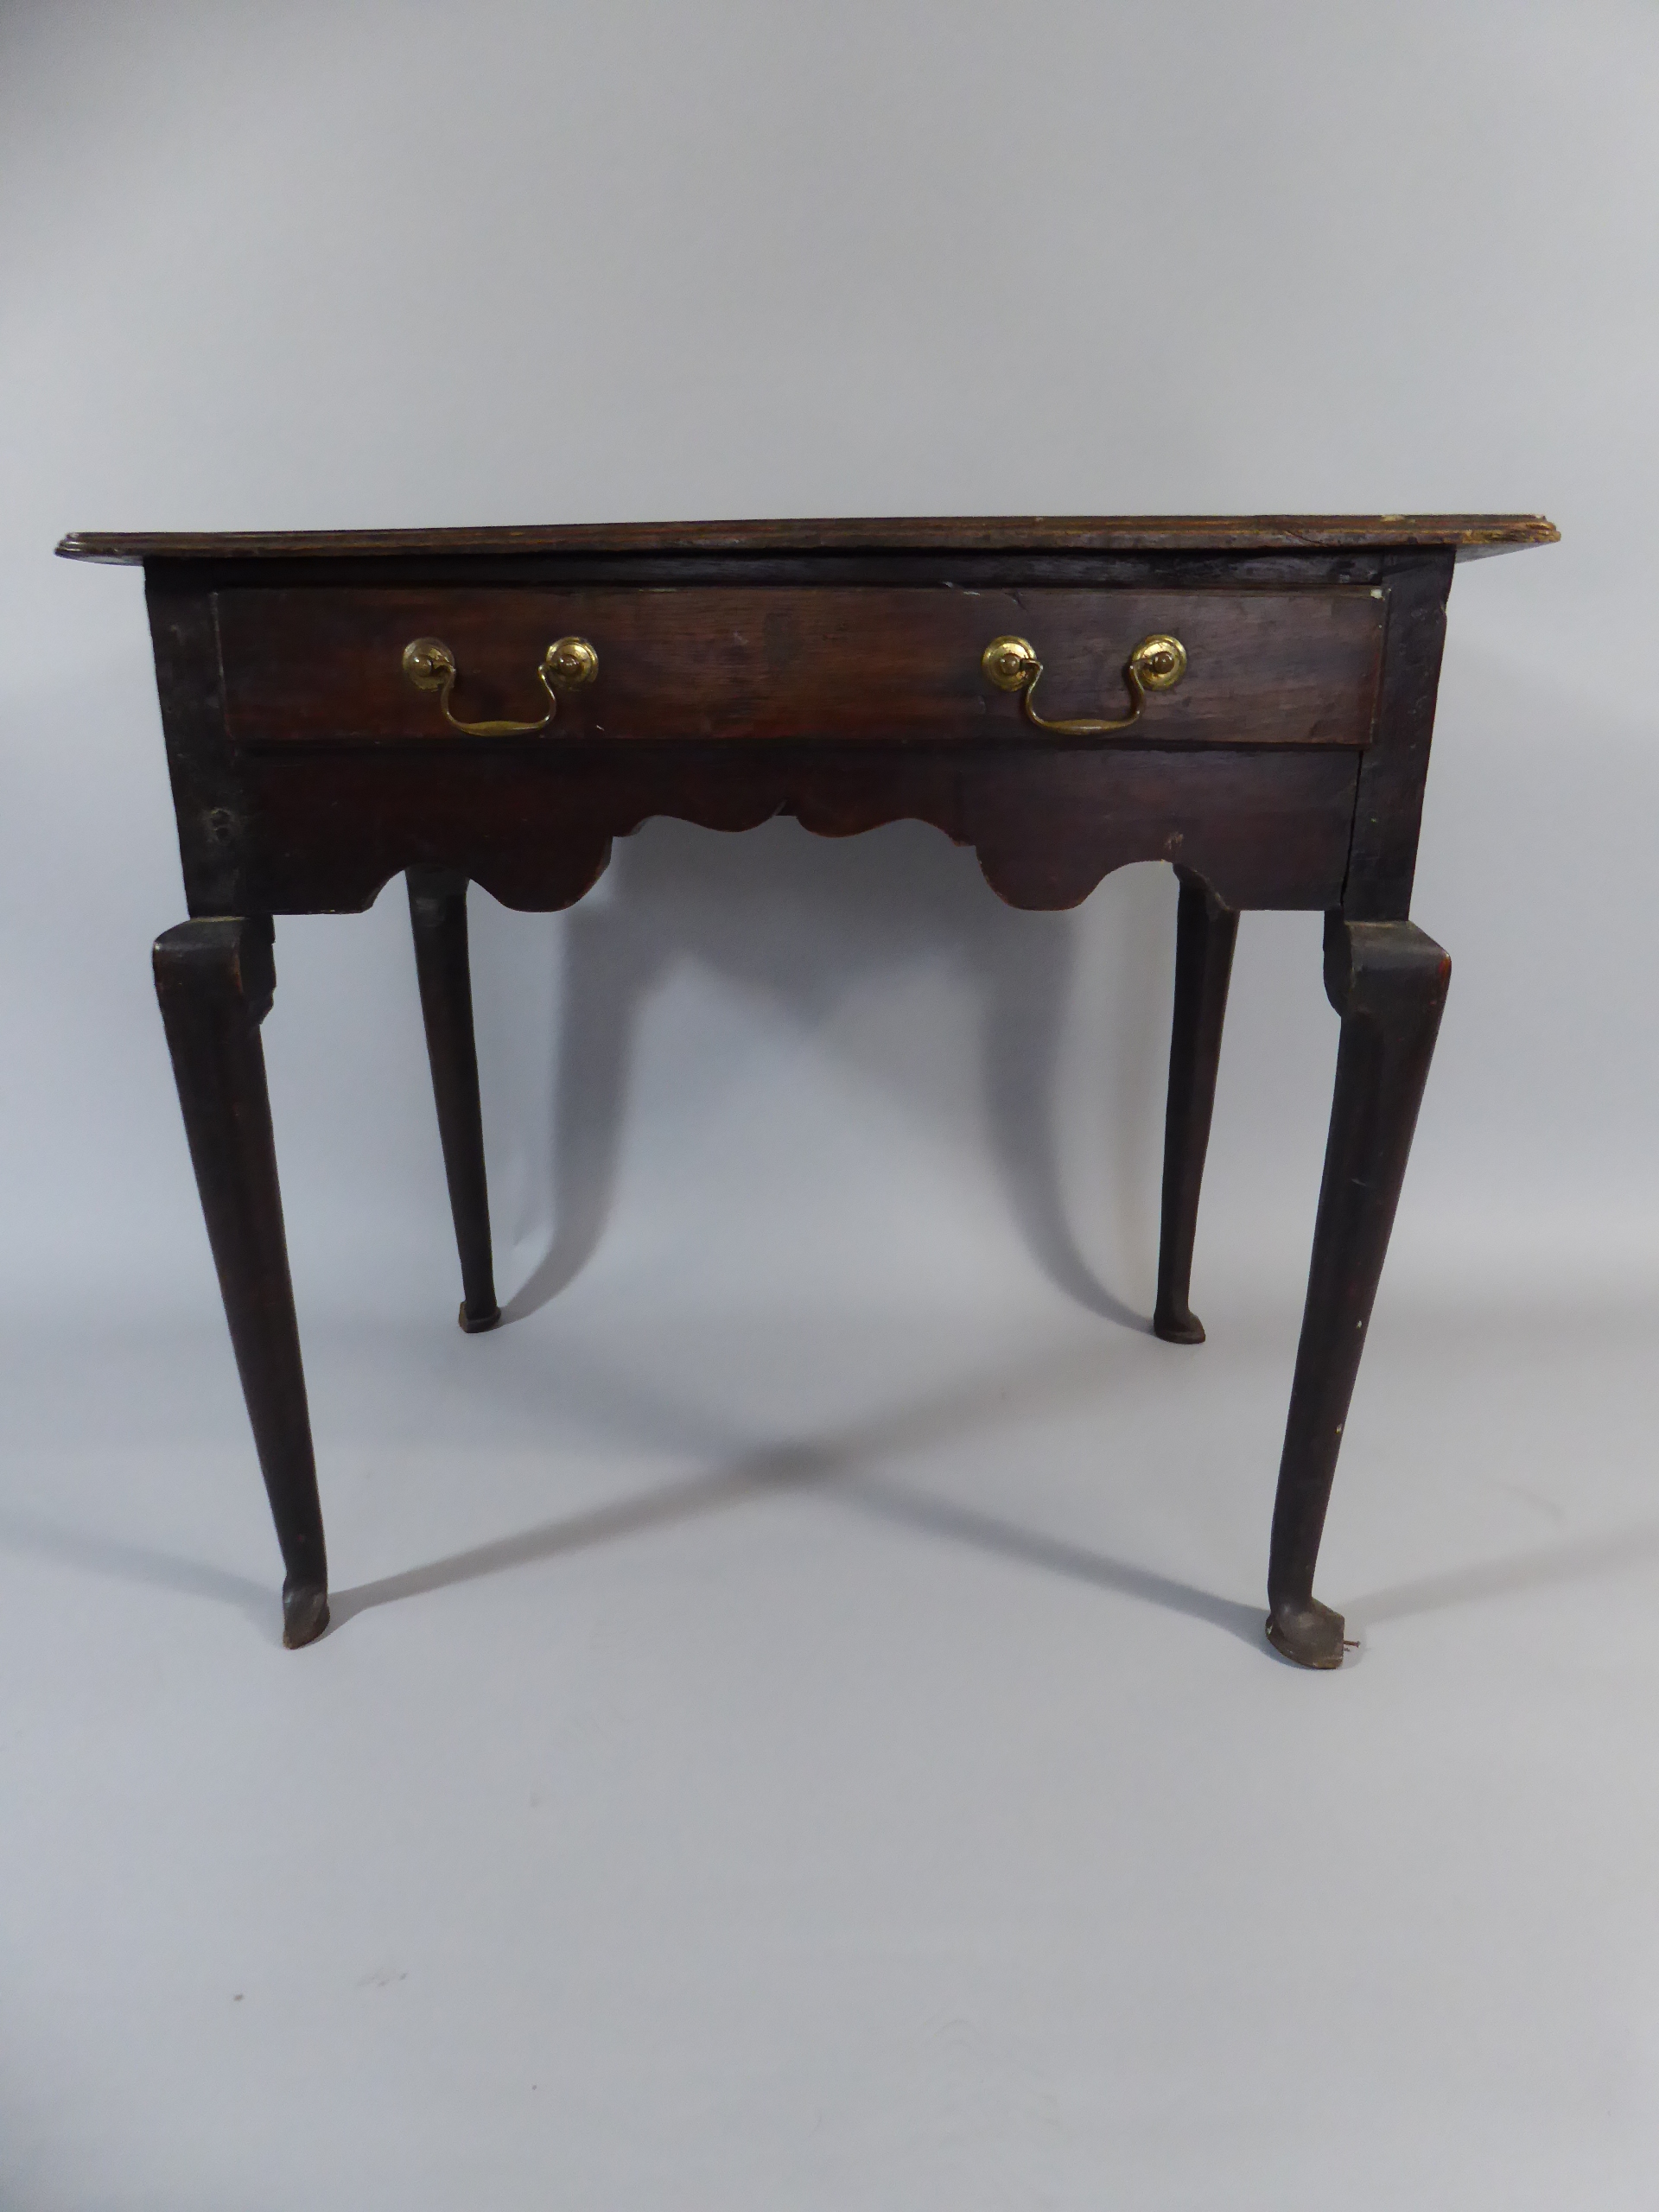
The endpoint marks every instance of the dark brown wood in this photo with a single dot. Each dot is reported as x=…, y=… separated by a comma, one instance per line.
x=1389, y=982
x=1205, y=931
x=816, y=662
x=329, y=827
x=1389, y=806
x=829, y=671
x=208, y=797
x=437, y=913
x=1470, y=534
x=214, y=980
x=1272, y=569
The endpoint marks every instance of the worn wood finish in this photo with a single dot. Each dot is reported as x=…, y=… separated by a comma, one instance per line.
x=437, y=913
x=818, y=664
x=831, y=671
x=1205, y=931
x=1389, y=805
x=1389, y=982
x=214, y=980
x=208, y=797
x=1469, y=534
x=323, y=832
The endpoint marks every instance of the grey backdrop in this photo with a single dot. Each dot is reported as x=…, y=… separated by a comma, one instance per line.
x=811, y=1127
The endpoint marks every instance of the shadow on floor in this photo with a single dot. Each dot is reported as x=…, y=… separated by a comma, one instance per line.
x=1548, y=1569
x=849, y=1466
x=123, y=1562
x=837, y=1466
x=802, y=922
x=768, y=1473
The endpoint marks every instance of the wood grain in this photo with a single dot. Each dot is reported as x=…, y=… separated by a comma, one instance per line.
x=327, y=829
x=1471, y=534
x=788, y=662
x=1388, y=812
x=1389, y=982
x=214, y=980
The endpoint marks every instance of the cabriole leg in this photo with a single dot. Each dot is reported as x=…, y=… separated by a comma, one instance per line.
x=214, y=980
x=1388, y=981
x=1205, y=931
x=437, y=913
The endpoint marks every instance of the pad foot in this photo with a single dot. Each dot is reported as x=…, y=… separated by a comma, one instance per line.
x=305, y=1613
x=1307, y=1631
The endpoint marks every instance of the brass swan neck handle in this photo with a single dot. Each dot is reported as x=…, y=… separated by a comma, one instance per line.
x=568, y=663
x=1157, y=664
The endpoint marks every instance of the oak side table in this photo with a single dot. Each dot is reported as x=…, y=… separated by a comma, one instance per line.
x=1250, y=699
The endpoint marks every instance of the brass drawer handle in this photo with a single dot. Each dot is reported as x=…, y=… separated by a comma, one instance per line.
x=1157, y=664
x=568, y=663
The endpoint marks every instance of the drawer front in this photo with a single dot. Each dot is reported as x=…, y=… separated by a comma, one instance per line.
x=827, y=663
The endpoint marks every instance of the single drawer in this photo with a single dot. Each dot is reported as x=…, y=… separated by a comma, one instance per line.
x=826, y=663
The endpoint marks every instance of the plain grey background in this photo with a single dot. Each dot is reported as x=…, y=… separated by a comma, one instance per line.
x=797, y=1729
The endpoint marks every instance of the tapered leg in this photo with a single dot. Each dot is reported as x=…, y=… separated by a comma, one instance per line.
x=1388, y=981
x=214, y=980
x=437, y=912
x=1205, y=931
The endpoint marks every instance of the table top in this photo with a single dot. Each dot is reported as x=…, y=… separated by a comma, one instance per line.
x=1472, y=535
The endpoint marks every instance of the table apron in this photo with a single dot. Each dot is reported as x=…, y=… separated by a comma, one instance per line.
x=321, y=831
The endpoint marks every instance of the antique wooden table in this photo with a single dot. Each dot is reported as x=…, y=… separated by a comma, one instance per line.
x=1250, y=699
